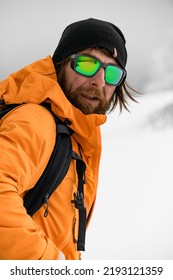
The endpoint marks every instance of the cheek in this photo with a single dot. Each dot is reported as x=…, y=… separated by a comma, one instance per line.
x=75, y=83
x=73, y=80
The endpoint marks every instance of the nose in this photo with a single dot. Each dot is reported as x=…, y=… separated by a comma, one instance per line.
x=98, y=80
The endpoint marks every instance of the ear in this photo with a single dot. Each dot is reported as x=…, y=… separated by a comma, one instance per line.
x=115, y=53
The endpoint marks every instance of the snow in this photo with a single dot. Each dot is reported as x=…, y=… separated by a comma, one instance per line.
x=133, y=213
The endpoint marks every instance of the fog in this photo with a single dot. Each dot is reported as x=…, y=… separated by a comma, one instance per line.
x=31, y=29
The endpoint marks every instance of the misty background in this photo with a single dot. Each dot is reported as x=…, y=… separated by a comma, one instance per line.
x=133, y=213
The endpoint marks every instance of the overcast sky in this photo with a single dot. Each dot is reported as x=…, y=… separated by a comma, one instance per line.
x=31, y=29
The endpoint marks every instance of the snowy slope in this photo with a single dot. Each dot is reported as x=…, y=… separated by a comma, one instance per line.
x=133, y=217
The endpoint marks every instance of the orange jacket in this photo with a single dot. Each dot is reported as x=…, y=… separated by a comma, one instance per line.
x=27, y=137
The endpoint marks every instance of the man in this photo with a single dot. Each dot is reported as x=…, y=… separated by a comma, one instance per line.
x=83, y=81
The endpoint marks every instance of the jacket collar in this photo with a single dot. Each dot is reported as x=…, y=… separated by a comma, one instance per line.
x=37, y=83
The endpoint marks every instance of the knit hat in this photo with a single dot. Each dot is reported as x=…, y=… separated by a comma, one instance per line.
x=91, y=33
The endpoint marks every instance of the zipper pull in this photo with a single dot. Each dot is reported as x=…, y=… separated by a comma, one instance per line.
x=46, y=199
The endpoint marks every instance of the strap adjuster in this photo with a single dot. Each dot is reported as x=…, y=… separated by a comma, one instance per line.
x=78, y=201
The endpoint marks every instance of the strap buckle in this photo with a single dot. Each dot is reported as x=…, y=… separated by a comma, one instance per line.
x=78, y=201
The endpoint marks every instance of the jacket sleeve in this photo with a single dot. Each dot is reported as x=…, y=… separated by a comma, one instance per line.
x=27, y=137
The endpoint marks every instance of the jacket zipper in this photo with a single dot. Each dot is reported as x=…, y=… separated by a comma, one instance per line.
x=46, y=202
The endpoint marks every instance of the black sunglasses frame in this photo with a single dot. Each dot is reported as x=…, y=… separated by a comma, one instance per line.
x=74, y=58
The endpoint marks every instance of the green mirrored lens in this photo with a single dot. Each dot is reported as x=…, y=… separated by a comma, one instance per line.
x=86, y=65
x=113, y=75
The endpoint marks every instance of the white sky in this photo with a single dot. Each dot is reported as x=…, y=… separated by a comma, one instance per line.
x=31, y=29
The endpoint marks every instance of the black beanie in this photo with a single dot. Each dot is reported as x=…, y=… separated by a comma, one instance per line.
x=91, y=33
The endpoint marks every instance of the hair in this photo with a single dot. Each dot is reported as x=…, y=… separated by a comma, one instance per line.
x=122, y=92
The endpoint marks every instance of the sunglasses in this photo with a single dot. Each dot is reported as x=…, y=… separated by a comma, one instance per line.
x=89, y=66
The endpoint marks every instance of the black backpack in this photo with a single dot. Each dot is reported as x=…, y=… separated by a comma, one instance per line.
x=54, y=173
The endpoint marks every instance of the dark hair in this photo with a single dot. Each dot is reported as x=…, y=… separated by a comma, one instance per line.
x=122, y=93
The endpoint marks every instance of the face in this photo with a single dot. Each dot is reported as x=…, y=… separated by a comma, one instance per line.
x=91, y=95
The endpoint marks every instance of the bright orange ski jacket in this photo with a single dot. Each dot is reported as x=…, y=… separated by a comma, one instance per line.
x=27, y=138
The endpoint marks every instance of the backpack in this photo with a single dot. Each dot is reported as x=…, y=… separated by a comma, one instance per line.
x=54, y=173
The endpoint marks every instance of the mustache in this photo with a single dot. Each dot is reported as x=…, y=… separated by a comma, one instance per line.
x=97, y=93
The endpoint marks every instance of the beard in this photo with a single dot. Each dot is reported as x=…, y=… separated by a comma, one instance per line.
x=77, y=98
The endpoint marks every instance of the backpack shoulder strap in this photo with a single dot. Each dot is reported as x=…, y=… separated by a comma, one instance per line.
x=55, y=170
x=79, y=203
x=6, y=109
